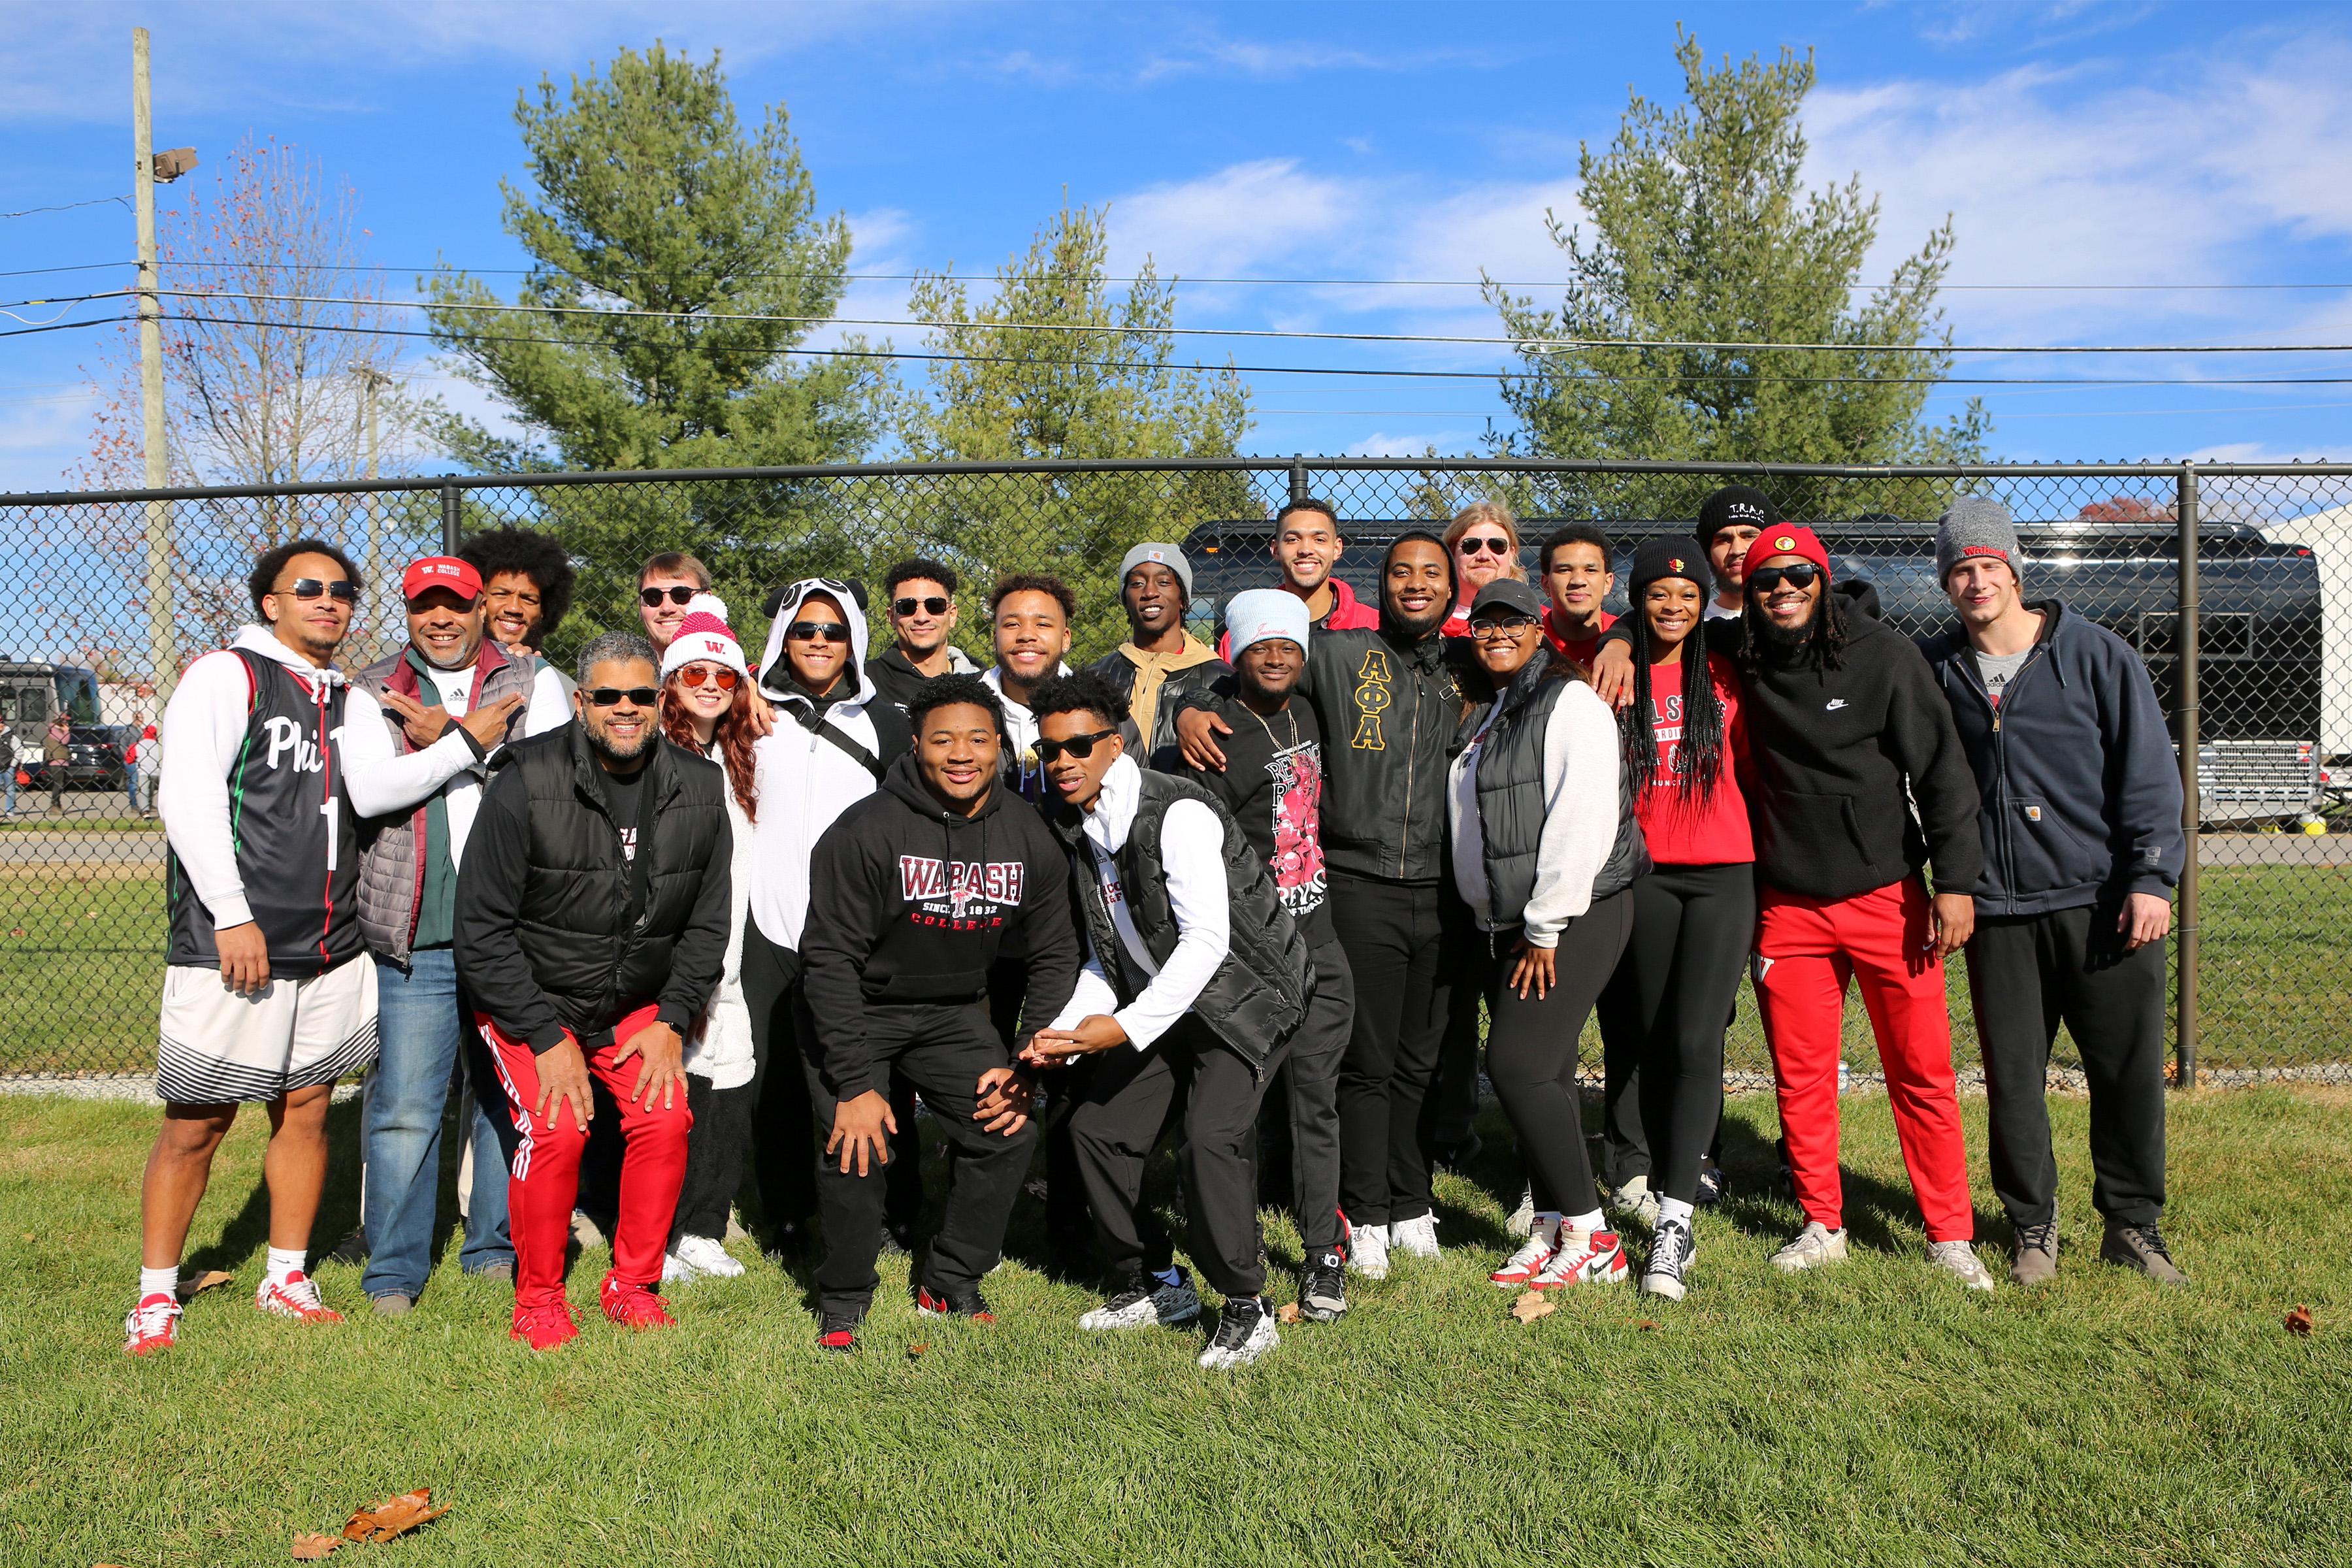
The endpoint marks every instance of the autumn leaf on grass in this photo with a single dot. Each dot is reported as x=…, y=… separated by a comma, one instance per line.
x=210, y=1279
x=2298, y=1322
x=915, y=1352
x=1533, y=1305
x=393, y=1516
x=310, y=1546
x=1288, y=1312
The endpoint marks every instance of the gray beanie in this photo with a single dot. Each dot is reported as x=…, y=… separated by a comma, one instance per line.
x=1167, y=555
x=1976, y=525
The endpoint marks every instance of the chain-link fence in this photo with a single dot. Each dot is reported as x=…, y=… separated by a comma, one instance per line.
x=2244, y=630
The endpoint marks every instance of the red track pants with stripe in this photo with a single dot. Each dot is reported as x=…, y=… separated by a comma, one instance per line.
x=1807, y=949
x=545, y=1182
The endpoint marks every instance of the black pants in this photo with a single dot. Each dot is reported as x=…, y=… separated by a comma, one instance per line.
x=1130, y=1098
x=1399, y=937
x=941, y=1049
x=2025, y=976
x=714, y=1156
x=1623, y=1134
x=1531, y=1045
x=1454, y=1109
x=782, y=1118
x=1310, y=1074
x=1692, y=927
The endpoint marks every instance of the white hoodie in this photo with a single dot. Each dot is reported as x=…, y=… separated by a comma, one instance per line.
x=804, y=781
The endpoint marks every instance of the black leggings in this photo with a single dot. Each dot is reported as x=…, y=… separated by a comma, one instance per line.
x=1692, y=929
x=1531, y=1046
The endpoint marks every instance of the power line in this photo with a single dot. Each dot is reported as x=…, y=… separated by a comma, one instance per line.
x=69, y=207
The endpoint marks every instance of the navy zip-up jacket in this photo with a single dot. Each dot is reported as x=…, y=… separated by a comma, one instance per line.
x=2079, y=785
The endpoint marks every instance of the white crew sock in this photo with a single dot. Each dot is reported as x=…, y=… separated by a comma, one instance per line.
x=283, y=1263
x=159, y=1282
x=1585, y=1221
x=1674, y=1208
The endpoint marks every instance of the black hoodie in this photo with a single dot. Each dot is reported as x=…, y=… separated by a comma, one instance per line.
x=910, y=902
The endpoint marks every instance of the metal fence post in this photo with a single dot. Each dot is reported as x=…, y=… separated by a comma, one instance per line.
x=2185, y=697
x=450, y=517
x=1298, y=479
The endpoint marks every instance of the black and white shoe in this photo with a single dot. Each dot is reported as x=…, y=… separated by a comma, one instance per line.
x=1244, y=1332
x=1712, y=1184
x=1323, y=1287
x=1147, y=1302
x=967, y=1304
x=1671, y=1251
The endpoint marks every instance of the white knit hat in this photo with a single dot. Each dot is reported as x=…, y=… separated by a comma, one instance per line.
x=704, y=635
x=1260, y=614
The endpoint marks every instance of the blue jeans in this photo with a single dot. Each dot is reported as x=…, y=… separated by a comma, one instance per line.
x=131, y=785
x=421, y=1036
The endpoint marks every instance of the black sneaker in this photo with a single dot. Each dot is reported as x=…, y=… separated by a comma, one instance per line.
x=1323, y=1287
x=2141, y=1247
x=1712, y=1184
x=1244, y=1331
x=1670, y=1250
x=967, y=1304
x=1456, y=1157
x=837, y=1331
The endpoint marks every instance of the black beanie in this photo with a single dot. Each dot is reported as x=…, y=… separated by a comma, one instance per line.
x=1672, y=556
x=1742, y=504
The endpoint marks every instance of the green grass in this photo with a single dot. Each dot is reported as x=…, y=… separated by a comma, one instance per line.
x=1873, y=1414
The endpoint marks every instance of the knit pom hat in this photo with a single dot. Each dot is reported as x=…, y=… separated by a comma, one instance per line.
x=1975, y=526
x=704, y=635
x=1659, y=559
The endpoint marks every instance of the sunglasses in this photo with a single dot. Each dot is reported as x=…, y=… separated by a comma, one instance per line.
x=613, y=696
x=905, y=607
x=1497, y=630
x=1489, y=546
x=1078, y=746
x=695, y=675
x=1801, y=575
x=817, y=631
x=679, y=594
x=342, y=590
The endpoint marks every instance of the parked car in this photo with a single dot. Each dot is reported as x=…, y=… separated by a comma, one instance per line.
x=94, y=758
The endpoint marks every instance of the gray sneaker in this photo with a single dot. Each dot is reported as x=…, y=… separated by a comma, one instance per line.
x=2035, y=1260
x=2141, y=1247
x=1815, y=1245
x=1959, y=1259
x=1636, y=1201
x=391, y=1304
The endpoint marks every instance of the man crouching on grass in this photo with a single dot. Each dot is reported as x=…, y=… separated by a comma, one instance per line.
x=591, y=929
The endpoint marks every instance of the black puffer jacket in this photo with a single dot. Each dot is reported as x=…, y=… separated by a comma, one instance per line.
x=557, y=930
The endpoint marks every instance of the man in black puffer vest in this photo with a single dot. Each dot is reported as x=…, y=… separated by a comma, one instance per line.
x=593, y=909
x=1196, y=978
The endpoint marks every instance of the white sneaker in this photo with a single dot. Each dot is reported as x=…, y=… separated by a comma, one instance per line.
x=1543, y=1240
x=1525, y=1215
x=1815, y=1245
x=1959, y=1259
x=1414, y=1238
x=1585, y=1256
x=677, y=1270
x=1636, y=1201
x=1367, y=1250
x=1147, y=1300
x=1245, y=1332
x=705, y=1255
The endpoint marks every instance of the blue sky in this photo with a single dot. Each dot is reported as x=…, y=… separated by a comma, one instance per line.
x=2169, y=147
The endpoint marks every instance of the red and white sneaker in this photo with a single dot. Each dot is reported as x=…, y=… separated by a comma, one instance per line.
x=634, y=1306
x=296, y=1296
x=1543, y=1240
x=544, y=1326
x=1585, y=1256
x=153, y=1325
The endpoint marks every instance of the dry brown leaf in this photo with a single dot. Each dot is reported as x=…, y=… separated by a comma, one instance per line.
x=393, y=1516
x=2298, y=1322
x=1647, y=1325
x=1288, y=1312
x=310, y=1545
x=1533, y=1305
x=915, y=1351
x=210, y=1279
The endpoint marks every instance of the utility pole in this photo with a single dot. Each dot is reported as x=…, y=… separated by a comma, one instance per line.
x=373, y=382
x=161, y=652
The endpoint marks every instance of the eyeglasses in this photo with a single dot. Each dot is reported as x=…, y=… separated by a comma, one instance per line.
x=696, y=674
x=817, y=631
x=902, y=608
x=1078, y=746
x=1800, y=576
x=1498, y=630
x=613, y=696
x=680, y=594
x=342, y=590
x=1493, y=545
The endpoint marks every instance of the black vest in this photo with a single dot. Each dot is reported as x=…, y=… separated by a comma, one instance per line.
x=1260, y=992
x=1511, y=796
x=596, y=927
x=296, y=843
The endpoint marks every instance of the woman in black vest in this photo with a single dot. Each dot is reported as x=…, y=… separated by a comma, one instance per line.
x=1546, y=850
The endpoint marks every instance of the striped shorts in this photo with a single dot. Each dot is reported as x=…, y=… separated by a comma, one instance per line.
x=221, y=1048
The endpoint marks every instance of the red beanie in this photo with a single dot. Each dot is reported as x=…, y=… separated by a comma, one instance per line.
x=1790, y=539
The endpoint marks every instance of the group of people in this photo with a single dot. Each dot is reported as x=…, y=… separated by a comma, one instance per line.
x=687, y=916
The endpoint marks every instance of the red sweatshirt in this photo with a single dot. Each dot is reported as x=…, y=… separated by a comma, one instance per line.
x=1711, y=830
x=1581, y=649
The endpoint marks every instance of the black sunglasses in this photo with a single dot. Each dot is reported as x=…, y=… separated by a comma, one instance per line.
x=613, y=696
x=931, y=606
x=1078, y=746
x=1491, y=546
x=1767, y=578
x=817, y=631
x=678, y=595
x=342, y=590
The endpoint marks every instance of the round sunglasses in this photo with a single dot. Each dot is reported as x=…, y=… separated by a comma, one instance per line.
x=681, y=594
x=1492, y=545
x=696, y=674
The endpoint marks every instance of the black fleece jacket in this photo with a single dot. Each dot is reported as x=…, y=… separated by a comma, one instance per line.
x=1842, y=758
x=910, y=902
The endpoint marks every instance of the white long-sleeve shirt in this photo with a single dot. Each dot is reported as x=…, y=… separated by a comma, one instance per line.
x=1192, y=850
x=1580, y=806
x=382, y=780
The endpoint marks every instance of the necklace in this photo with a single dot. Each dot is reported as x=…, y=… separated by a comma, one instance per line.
x=1272, y=738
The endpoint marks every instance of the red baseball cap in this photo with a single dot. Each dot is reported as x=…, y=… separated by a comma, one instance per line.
x=441, y=572
x=1789, y=539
